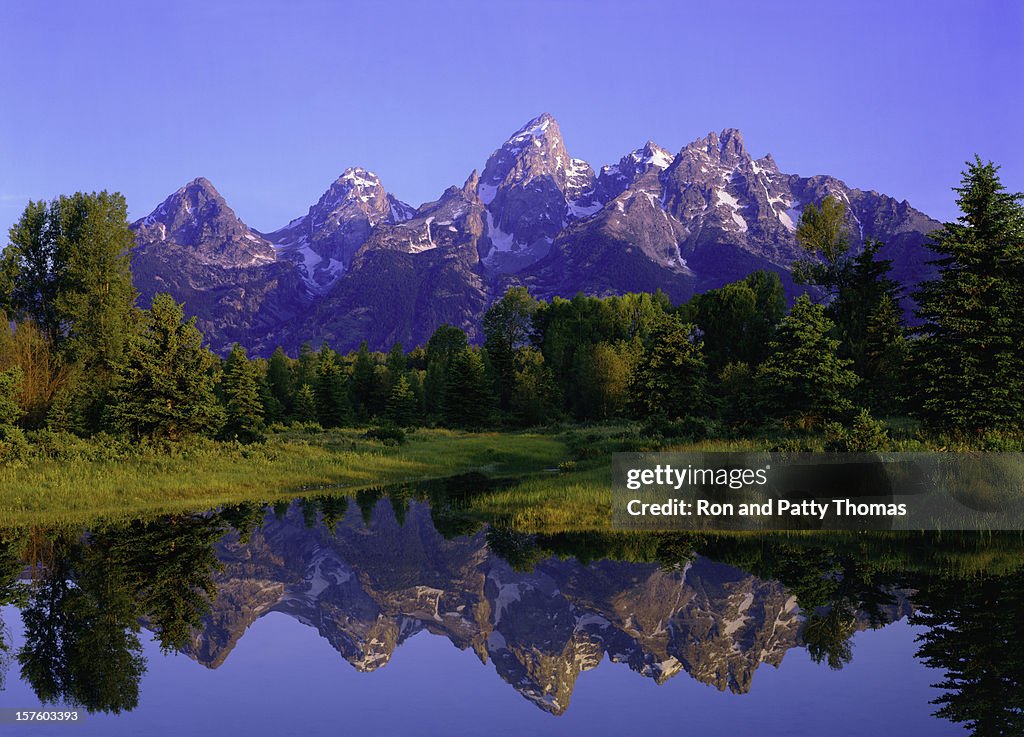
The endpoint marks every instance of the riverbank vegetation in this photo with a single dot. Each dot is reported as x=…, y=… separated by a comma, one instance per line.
x=104, y=404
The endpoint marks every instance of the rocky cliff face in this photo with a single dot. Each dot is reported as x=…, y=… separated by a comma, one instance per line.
x=366, y=589
x=362, y=265
x=228, y=275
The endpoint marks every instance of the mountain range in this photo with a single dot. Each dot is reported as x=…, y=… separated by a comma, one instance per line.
x=362, y=265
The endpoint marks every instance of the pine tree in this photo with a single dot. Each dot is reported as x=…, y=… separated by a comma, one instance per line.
x=242, y=395
x=163, y=386
x=446, y=342
x=401, y=404
x=332, y=402
x=970, y=358
x=671, y=376
x=467, y=399
x=279, y=379
x=508, y=328
x=363, y=391
x=305, y=404
x=804, y=378
x=885, y=358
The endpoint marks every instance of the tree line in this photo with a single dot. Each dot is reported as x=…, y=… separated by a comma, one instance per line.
x=82, y=357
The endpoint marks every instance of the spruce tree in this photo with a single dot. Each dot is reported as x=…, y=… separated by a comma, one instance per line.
x=804, y=378
x=332, y=402
x=305, y=404
x=970, y=356
x=401, y=405
x=363, y=390
x=163, y=385
x=671, y=376
x=279, y=379
x=244, y=421
x=467, y=399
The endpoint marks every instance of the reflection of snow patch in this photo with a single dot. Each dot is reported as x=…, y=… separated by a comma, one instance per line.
x=507, y=593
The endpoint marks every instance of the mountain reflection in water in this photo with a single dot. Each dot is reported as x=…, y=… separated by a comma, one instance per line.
x=370, y=575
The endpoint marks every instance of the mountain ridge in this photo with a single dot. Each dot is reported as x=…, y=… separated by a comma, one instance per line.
x=361, y=264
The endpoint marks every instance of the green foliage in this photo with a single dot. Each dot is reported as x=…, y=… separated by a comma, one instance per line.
x=71, y=274
x=467, y=399
x=14, y=447
x=332, y=398
x=401, y=408
x=970, y=355
x=804, y=379
x=738, y=321
x=508, y=328
x=279, y=379
x=822, y=233
x=864, y=435
x=387, y=433
x=740, y=398
x=886, y=356
x=364, y=388
x=241, y=389
x=535, y=398
x=671, y=377
x=10, y=394
x=163, y=386
x=305, y=404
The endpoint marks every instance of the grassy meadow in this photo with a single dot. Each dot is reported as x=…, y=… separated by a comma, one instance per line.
x=79, y=481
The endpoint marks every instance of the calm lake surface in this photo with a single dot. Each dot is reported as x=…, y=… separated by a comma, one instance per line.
x=391, y=617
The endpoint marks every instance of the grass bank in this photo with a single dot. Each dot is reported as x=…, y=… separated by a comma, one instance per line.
x=79, y=481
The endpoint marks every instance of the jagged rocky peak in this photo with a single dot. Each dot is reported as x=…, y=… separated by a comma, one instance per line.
x=197, y=217
x=617, y=178
x=532, y=187
x=323, y=242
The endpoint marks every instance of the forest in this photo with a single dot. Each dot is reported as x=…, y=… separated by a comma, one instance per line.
x=847, y=362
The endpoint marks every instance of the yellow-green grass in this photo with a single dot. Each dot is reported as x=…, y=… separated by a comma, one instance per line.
x=205, y=474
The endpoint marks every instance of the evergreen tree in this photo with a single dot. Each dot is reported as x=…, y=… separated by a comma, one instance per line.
x=863, y=284
x=535, y=397
x=241, y=387
x=163, y=386
x=363, y=390
x=401, y=406
x=970, y=357
x=396, y=366
x=306, y=369
x=671, y=376
x=804, y=378
x=885, y=358
x=332, y=403
x=467, y=399
x=279, y=379
x=508, y=328
x=305, y=404
x=444, y=344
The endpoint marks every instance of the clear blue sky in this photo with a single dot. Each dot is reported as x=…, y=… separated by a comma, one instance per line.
x=272, y=100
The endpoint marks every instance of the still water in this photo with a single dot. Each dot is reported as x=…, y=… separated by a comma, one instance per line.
x=373, y=616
